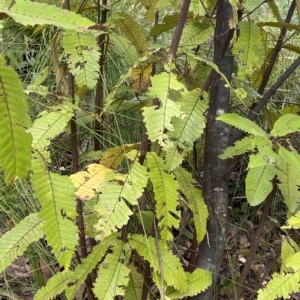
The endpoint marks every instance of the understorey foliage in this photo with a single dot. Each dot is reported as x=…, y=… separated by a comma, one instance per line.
x=134, y=203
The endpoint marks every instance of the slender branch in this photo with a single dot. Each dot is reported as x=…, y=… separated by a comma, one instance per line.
x=179, y=27
x=276, y=50
x=255, y=240
x=99, y=99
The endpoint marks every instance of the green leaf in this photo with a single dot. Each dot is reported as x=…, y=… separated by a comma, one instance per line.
x=56, y=195
x=168, y=23
x=196, y=33
x=272, y=4
x=286, y=124
x=48, y=125
x=166, y=195
x=15, y=142
x=188, y=129
x=134, y=289
x=112, y=210
x=82, y=57
x=133, y=31
x=55, y=285
x=195, y=200
x=293, y=222
x=281, y=285
x=288, y=174
x=88, y=264
x=113, y=276
x=288, y=26
x=158, y=119
x=34, y=13
x=15, y=241
x=124, y=48
x=242, y=123
x=240, y=147
x=161, y=259
x=197, y=282
x=258, y=183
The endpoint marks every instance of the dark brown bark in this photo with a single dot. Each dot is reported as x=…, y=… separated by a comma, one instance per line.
x=179, y=27
x=215, y=178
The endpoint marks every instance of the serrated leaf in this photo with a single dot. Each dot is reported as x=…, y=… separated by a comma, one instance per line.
x=242, y=123
x=113, y=276
x=275, y=10
x=188, y=129
x=158, y=119
x=133, y=31
x=240, y=147
x=247, y=49
x=196, y=33
x=88, y=182
x=113, y=157
x=286, y=124
x=281, y=285
x=15, y=142
x=56, y=196
x=258, y=183
x=134, y=289
x=55, y=285
x=15, y=241
x=195, y=200
x=124, y=48
x=34, y=13
x=166, y=195
x=293, y=222
x=288, y=175
x=173, y=273
x=197, y=282
x=88, y=264
x=48, y=125
x=83, y=57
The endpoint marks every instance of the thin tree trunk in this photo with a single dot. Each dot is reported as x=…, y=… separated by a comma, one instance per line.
x=215, y=178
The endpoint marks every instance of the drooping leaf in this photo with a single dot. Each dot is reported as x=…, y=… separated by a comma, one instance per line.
x=134, y=289
x=197, y=282
x=82, y=57
x=124, y=48
x=133, y=31
x=34, y=13
x=288, y=175
x=158, y=119
x=196, y=33
x=56, y=196
x=163, y=258
x=168, y=23
x=188, y=129
x=166, y=195
x=111, y=208
x=113, y=276
x=48, y=125
x=88, y=264
x=195, y=200
x=242, y=123
x=275, y=10
x=258, y=183
x=55, y=285
x=286, y=124
x=247, y=49
x=15, y=241
x=15, y=149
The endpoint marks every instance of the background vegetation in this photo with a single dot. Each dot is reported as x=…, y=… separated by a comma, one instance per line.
x=149, y=149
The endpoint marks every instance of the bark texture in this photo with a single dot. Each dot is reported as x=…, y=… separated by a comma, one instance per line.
x=215, y=176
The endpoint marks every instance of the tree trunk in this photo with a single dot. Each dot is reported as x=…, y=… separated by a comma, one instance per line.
x=215, y=177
